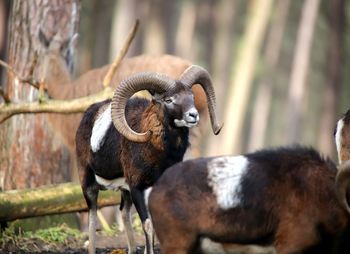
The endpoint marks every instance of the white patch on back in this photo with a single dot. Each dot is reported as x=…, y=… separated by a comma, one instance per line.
x=100, y=128
x=114, y=184
x=338, y=137
x=224, y=176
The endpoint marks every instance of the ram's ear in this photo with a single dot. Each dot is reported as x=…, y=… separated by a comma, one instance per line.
x=42, y=38
x=152, y=92
x=156, y=96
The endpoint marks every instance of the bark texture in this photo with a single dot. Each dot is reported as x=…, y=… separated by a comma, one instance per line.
x=31, y=155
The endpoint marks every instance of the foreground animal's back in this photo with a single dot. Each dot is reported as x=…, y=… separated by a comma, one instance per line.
x=283, y=197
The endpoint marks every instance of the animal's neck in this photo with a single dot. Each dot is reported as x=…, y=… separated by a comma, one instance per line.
x=164, y=135
x=153, y=120
x=57, y=78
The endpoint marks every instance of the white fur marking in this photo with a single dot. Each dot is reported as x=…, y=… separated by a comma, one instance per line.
x=146, y=195
x=338, y=137
x=100, y=128
x=183, y=123
x=188, y=121
x=224, y=176
x=115, y=184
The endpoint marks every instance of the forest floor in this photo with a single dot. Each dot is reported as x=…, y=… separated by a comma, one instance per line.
x=64, y=240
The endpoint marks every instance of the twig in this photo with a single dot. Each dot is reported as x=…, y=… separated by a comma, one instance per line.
x=107, y=79
x=8, y=67
x=5, y=96
x=31, y=81
x=4, y=117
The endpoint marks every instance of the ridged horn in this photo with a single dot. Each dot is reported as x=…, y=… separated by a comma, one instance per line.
x=141, y=81
x=342, y=183
x=198, y=75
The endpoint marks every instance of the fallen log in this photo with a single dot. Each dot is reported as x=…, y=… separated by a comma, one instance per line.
x=48, y=200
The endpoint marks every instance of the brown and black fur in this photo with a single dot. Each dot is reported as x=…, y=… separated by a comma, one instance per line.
x=288, y=200
x=140, y=163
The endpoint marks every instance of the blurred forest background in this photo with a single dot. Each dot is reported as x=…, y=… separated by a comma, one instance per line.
x=280, y=68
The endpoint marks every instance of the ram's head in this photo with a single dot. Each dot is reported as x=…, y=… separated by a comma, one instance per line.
x=175, y=97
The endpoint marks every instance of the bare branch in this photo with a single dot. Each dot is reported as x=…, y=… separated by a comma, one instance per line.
x=5, y=96
x=31, y=81
x=54, y=106
x=8, y=67
x=121, y=54
x=45, y=105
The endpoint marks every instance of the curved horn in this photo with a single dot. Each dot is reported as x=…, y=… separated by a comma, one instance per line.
x=198, y=75
x=342, y=184
x=141, y=81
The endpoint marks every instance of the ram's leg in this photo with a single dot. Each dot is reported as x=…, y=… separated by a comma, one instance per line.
x=138, y=199
x=90, y=195
x=125, y=208
x=92, y=229
x=90, y=191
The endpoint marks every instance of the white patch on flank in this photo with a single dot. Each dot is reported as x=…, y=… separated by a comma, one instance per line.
x=100, y=128
x=224, y=176
x=338, y=137
x=146, y=195
x=210, y=247
x=114, y=184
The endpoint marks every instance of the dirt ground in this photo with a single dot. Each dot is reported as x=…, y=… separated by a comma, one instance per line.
x=104, y=245
x=111, y=245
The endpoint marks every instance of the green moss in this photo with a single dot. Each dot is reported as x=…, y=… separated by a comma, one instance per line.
x=58, y=234
x=53, y=238
x=43, y=222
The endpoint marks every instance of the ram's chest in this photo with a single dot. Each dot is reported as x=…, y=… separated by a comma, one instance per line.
x=145, y=163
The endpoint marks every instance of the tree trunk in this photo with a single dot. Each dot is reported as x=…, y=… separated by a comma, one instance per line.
x=101, y=31
x=48, y=200
x=123, y=18
x=334, y=64
x=243, y=75
x=4, y=13
x=262, y=104
x=299, y=68
x=31, y=155
x=222, y=60
x=155, y=41
x=185, y=30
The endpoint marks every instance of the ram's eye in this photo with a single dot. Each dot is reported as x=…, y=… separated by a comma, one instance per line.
x=168, y=100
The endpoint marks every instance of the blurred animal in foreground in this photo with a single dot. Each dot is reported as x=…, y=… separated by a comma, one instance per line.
x=287, y=198
x=127, y=144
